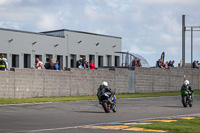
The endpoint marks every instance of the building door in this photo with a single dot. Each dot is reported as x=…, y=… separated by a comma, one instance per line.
x=60, y=60
x=92, y=57
x=117, y=61
x=27, y=61
x=100, y=61
x=73, y=61
x=15, y=60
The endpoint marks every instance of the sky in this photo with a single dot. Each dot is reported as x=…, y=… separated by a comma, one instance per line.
x=147, y=27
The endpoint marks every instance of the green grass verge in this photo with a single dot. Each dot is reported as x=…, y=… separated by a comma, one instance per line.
x=181, y=126
x=85, y=98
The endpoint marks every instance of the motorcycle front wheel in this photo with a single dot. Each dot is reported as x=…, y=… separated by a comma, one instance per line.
x=115, y=110
x=105, y=107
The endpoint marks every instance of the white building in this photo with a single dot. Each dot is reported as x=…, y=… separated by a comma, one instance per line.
x=22, y=47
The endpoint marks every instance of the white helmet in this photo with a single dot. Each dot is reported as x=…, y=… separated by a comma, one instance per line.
x=186, y=82
x=104, y=83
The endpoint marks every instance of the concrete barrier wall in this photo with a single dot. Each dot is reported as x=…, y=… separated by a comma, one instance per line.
x=162, y=80
x=22, y=83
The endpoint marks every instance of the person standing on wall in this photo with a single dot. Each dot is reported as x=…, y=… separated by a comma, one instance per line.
x=92, y=66
x=79, y=63
x=57, y=65
x=38, y=64
x=3, y=63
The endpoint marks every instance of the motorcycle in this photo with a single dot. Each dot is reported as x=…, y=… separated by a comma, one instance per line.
x=187, y=98
x=108, y=102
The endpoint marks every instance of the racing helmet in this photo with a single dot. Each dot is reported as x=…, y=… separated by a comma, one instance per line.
x=186, y=82
x=104, y=83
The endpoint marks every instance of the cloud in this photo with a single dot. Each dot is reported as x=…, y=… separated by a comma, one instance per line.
x=11, y=25
x=8, y=2
x=91, y=14
x=142, y=50
x=147, y=27
x=170, y=1
x=137, y=17
x=100, y=31
x=47, y=22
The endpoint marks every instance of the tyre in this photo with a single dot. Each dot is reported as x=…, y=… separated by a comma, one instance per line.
x=115, y=110
x=105, y=107
x=190, y=102
x=184, y=101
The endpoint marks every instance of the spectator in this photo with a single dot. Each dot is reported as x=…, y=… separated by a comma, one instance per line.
x=159, y=63
x=195, y=64
x=85, y=64
x=79, y=63
x=136, y=62
x=92, y=66
x=47, y=64
x=170, y=64
x=5, y=61
x=57, y=65
x=165, y=65
x=38, y=64
x=51, y=65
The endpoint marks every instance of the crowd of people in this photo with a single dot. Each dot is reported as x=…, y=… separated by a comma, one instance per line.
x=83, y=64
x=136, y=62
x=166, y=65
x=51, y=65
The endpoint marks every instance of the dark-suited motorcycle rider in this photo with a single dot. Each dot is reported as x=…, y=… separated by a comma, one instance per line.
x=104, y=89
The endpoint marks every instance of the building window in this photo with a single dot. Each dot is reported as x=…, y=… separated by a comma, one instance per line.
x=15, y=60
x=92, y=57
x=109, y=60
x=100, y=61
x=73, y=61
x=60, y=60
x=5, y=55
x=82, y=56
x=39, y=57
x=48, y=57
x=27, y=61
x=117, y=61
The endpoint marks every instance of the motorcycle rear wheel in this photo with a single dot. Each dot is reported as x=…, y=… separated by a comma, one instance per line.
x=105, y=107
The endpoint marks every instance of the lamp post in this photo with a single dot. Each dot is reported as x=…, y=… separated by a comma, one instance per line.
x=56, y=45
x=32, y=52
x=184, y=29
x=9, y=53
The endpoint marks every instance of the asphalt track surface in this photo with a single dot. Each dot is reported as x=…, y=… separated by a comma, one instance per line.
x=66, y=116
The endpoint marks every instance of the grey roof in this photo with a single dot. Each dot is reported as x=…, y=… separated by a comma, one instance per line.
x=81, y=32
x=30, y=32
